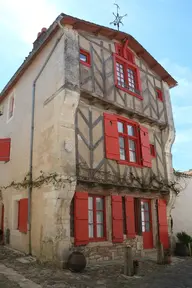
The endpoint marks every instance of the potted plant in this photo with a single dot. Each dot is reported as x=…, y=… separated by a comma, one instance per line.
x=183, y=244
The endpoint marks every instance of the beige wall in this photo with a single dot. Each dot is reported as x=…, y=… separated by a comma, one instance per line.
x=57, y=97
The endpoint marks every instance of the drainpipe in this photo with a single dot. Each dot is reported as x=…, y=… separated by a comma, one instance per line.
x=32, y=129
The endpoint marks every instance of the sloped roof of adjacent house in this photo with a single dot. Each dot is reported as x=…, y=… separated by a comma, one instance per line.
x=80, y=24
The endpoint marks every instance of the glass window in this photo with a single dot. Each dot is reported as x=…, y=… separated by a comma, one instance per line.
x=96, y=217
x=83, y=57
x=120, y=127
x=128, y=142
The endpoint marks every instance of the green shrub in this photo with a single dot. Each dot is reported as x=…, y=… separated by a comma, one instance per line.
x=184, y=238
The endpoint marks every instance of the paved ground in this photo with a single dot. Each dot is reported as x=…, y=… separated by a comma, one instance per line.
x=16, y=274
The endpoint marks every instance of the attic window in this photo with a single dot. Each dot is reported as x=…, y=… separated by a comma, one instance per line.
x=127, y=76
x=85, y=58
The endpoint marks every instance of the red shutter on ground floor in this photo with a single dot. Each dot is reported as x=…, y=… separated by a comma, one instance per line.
x=23, y=215
x=111, y=137
x=81, y=218
x=130, y=216
x=117, y=219
x=145, y=147
x=163, y=225
x=5, y=145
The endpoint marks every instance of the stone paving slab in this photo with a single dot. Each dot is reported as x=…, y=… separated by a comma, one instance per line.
x=6, y=283
x=151, y=275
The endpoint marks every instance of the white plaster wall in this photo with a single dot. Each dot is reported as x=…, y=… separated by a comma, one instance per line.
x=182, y=211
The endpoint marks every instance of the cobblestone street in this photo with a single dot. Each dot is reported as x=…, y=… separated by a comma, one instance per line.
x=17, y=270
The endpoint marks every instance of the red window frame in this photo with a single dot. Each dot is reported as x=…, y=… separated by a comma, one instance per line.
x=94, y=210
x=127, y=65
x=159, y=94
x=125, y=57
x=135, y=138
x=88, y=57
x=152, y=150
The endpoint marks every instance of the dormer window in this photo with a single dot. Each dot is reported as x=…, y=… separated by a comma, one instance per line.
x=84, y=57
x=127, y=76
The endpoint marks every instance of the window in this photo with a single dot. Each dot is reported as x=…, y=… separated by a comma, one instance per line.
x=159, y=94
x=11, y=106
x=96, y=217
x=127, y=76
x=128, y=141
x=22, y=215
x=89, y=218
x=152, y=150
x=85, y=58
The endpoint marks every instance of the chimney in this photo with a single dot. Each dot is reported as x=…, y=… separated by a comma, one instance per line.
x=40, y=38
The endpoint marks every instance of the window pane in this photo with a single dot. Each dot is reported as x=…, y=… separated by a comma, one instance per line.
x=132, y=156
x=130, y=130
x=131, y=79
x=100, y=231
x=83, y=57
x=90, y=216
x=147, y=227
x=147, y=216
x=90, y=230
x=121, y=142
x=99, y=203
x=120, y=127
x=131, y=145
x=122, y=154
x=99, y=217
x=146, y=206
x=143, y=227
x=120, y=74
x=90, y=203
x=142, y=212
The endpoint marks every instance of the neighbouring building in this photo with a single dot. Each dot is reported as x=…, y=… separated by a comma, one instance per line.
x=182, y=206
x=89, y=107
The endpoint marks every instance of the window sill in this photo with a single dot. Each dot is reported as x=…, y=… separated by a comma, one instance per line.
x=96, y=240
x=85, y=64
x=123, y=162
x=130, y=92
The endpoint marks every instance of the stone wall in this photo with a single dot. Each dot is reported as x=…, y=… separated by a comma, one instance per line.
x=106, y=251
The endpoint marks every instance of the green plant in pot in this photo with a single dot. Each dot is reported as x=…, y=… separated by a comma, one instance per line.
x=182, y=246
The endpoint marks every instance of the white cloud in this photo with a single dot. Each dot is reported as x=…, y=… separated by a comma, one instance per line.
x=26, y=18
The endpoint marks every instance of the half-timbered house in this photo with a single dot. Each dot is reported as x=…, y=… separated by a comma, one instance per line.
x=103, y=118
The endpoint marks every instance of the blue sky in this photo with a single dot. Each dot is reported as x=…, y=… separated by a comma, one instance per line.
x=161, y=26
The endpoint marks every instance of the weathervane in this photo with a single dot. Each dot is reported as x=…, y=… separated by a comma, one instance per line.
x=118, y=18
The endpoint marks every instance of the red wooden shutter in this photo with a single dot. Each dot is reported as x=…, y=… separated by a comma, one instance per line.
x=163, y=226
x=130, y=216
x=5, y=145
x=23, y=215
x=81, y=218
x=145, y=147
x=111, y=137
x=117, y=219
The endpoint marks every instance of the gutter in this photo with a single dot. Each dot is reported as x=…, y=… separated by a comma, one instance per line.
x=32, y=132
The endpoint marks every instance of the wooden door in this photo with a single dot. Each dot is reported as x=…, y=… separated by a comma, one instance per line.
x=146, y=220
